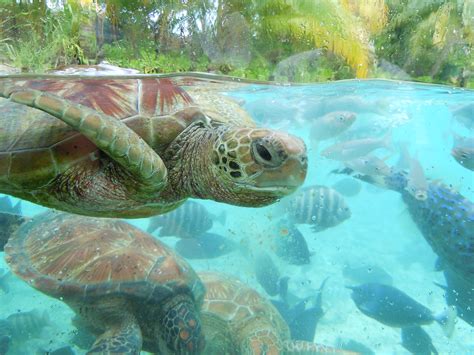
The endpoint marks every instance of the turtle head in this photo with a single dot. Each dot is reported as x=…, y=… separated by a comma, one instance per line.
x=255, y=167
x=180, y=326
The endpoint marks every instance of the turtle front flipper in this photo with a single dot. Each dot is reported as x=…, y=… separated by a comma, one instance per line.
x=110, y=135
x=125, y=338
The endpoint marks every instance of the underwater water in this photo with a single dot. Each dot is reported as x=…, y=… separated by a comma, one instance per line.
x=378, y=242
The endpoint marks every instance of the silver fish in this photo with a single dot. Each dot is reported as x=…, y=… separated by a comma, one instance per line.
x=319, y=206
x=29, y=324
x=369, y=165
x=464, y=114
x=331, y=124
x=461, y=141
x=187, y=221
x=464, y=155
x=417, y=185
x=322, y=105
x=357, y=148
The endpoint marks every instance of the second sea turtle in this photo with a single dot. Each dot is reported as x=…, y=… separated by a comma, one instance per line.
x=237, y=320
x=130, y=290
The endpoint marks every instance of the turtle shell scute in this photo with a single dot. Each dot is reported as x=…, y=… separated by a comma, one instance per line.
x=80, y=258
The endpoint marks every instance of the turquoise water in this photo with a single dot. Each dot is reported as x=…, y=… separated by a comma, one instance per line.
x=379, y=232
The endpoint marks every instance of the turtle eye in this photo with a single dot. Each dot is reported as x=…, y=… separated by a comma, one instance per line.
x=264, y=154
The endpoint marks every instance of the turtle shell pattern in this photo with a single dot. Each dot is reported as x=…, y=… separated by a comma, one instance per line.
x=240, y=306
x=84, y=259
x=35, y=146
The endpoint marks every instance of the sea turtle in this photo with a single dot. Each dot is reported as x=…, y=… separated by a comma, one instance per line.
x=137, y=146
x=237, y=320
x=132, y=290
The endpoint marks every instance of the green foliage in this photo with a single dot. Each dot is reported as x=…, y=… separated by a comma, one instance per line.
x=431, y=40
x=57, y=43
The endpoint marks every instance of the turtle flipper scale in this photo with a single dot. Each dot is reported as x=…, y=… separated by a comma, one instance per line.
x=112, y=136
x=125, y=339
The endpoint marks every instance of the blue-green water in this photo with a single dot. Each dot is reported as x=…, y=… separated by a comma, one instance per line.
x=379, y=232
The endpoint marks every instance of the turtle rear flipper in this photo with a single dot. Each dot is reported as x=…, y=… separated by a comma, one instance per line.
x=125, y=338
x=9, y=223
x=110, y=135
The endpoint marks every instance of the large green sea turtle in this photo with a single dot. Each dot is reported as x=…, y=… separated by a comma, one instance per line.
x=137, y=146
x=237, y=320
x=128, y=288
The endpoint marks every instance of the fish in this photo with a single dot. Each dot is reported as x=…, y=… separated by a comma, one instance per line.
x=65, y=350
x=366, y=274
x=291, y=246
x=268, y=276
x=464, y=114
x=5, y=341
x=462, y=141
x=417, y=341
x=302, y=315
x=7, y=206
x=347, y=187
x=369, y=164
x=356, y=148
x=187, y=221
x=464, y=155
x=24, y=325
x=445, y=219
x=322, y=105
x=404, y=157
x=319, y=206
x=394, y=308
x=205, y=246
x=460, y=294
x=8, y=224
x=4, y=276
x=417, y=185
x=350, y=344
x=304, y=322
x=330, y=125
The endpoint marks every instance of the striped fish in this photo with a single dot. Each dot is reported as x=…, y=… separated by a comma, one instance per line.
x=445, y=219
x=24, y=325
x=319, y=206
x=188, y=221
